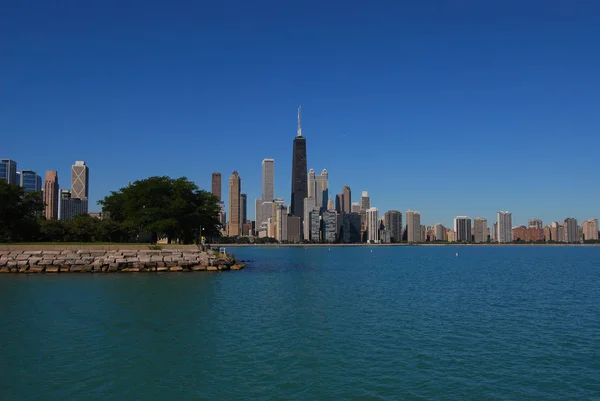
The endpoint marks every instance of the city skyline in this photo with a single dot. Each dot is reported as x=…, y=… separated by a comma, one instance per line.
x=411, y=84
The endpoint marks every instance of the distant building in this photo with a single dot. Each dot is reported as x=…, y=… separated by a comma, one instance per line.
x=80, y=179
x=438, y=230
x=244, y=208
x=554, y=232
x=216, y=185
x=322, y=189
x=365, y=201
x=8, y=171
x=315, y=226
x=495, y=232
x=535, y=223
x=504, y=227
x=527, y=234
x=330, y=205
x=309, y=205
x=268, y=179
x=281, y=229
x=71, y=207
x=350, y=228
x=339, y=202
x=355, y=207
x=329, y=226
x=347, y=199
x=299, y=180
x=373, y=225
x=572, y=232
x=30, y=181
x=393, y=223
x=312, y=186
x=96, y=215
x=450, y=235
x=51, y=195
x=590, y=229
x=235, y=213
x=293, y=229
x=413, y=224
x=480, y=228
x=462, y=227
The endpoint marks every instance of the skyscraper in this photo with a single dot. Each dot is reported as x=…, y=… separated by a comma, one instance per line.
x=571, y=230
x=329, y=226
x=339, y=203
x=8, y=171
x=71, y=207
x=373, y=225
x=355, y=208
x=216, y=185
x=393, y=223
x=31, y=181
x=268, y=179
x=438, y=230
x=365, y=201
x=315, y=225
x=322, y=189
x=504, y=227
x=51, y=194
x=80, y=176
x=350, y=228
x=535, y=223
x=413, y=226
x=312, y=184
x=244, y=206
x=462, y=227
x=235, y=213
x=480, y=226
x=299, y=179
x=590, y=229
x=331, y=205
x=309, y=205
x=495, y=232
x=346, y=199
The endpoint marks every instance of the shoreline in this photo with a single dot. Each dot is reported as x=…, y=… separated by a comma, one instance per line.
x=389, y=245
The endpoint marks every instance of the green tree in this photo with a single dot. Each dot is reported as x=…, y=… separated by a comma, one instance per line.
x=162, y=206
x=19, y=213
x=81, y=229
x=53, y=231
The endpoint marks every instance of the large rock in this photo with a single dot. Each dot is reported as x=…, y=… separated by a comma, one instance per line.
x=52, y=269
x=176, y=268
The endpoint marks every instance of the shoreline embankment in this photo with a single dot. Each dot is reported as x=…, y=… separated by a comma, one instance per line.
x=95, y=259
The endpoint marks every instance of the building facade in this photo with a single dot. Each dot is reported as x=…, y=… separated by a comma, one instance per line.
x=51, y=194
x=373, y=225
x=462, y=228
x=393, y=223
x=244, y=208
x=235, y=210
x=590, y=230
x=350, y=228
x=365, y=201
x=8, y=171
x=216, y=185
x=413, y=226
x=31, y=181
x=346, y=199
x=315, y=226
x=571, y=230
x=504, y=227
x=299, y=179
x=480, y=228
x=528, y=234
x=268, y=179
x=71, y=207
x=329, y=226
x=293, y=229
x=535, y=223
x=80, y=178
x=355, y=207
x=339, y=202
x=438, y=231
x=309, y=205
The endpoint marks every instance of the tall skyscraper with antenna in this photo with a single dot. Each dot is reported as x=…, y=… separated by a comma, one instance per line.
x=299, y=178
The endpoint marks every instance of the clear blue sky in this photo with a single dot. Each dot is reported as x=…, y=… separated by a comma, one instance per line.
x=450, y=108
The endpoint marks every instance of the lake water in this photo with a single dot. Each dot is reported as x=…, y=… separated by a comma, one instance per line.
x=351, y=323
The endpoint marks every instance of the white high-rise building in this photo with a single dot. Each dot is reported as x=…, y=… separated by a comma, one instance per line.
x=309, y=206
x=413, y=224
x=438, y=230
x=480, y=228
x=462, y=227
x=311, y=183
x=268, y=180
x=373, y=224
x=505, y=227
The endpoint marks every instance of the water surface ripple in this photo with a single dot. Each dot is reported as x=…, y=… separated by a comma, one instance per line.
x=352, y=323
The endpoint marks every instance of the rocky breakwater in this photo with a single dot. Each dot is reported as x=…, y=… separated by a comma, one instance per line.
x=113, y=261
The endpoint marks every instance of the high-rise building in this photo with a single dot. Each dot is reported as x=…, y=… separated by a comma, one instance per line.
x=330, y=205
x=346, y=199
x=299, y=179
x=268, y=179
x=258, y=219
x=293, y=229
x=535, y=223
x=80, y=178
x=315, y=226
x=350, y=228
x=235, y=210
x=51, y=195
x=339, y=203
x=31, y=181
x=322, y=189
x=281, y=229
x=216, y=185
x=572, y=232
x=373, y=225
x=244, y=206
x=495, y=232
x=527, y=234
x=504, y=227
x=413, y=226
x=312, y=183
x=8, y=171
x=355, y=208
x=365, y=201
x=590, y=229
x=309, y=205
x=438, y=231
x=393, y=223
x=329, y=226
x=71, y=207
x=462, y=227
x=480, y=226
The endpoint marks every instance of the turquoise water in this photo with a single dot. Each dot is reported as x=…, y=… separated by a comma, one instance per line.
x=356, y=323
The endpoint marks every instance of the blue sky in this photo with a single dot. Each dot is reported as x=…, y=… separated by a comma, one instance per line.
x=450, y=108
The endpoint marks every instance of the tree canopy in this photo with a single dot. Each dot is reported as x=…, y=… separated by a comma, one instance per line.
x=19, y=212
x=166, y=207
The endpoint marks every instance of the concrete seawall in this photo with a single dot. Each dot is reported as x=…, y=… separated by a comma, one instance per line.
x=84, y=259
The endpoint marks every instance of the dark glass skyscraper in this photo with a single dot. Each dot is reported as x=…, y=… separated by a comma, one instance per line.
x=299, y=177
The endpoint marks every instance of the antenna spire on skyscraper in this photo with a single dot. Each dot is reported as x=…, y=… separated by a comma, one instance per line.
x=299, y=120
